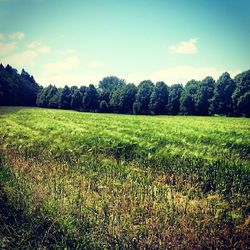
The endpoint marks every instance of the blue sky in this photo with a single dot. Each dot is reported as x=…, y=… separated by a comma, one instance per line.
x=79, y=42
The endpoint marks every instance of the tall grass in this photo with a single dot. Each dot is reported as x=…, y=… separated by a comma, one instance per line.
x=119, y=181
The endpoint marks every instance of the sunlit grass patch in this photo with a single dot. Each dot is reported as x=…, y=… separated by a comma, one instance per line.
x=130, y=181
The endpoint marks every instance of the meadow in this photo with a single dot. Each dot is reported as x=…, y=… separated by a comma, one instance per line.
x=104, y=181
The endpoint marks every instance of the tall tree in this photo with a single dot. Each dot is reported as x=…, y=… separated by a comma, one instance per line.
x=204, y=96
x=107, y=86
x=188, y=98
x=103, y=107
x=76, y=99
x=159, y=99
x=241, y=94
x=142, y=100
x=48, y=97
x=52, y=97
x=122, y=99
x=222, y=102
x=173, y=106
x=41, y=100
x=91, y=99
x=65, y=98
x=17, y=89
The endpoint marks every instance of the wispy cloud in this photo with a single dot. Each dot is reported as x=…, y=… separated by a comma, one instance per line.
x=95, y=64
x=26, y=57
x=185, y=47
x=182, y=74
x=16, y=36
x=23, y=58
x=66, y=64
x=2, y=36
x=7, y=47
x=66, y=52
x=44, y=50
x=34, y=45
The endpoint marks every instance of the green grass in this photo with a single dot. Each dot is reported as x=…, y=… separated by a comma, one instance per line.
x=121, y=181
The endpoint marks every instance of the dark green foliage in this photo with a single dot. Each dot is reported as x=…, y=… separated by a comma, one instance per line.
x=136, y=107
x=107, y=86
x=49, y=97
x=17, y=89
x=159, y=99
x=110, y=83
x=104, y=108
x=225, y=97
x=53, y=97
x=241, y=94
x=244, y=104
x=204, y=95
x=76, y=99
x=142, y=100
x=173, y=106
x=188, y=98
x=122, y=99
x=42, y=97
x=65, y=98
x=90, y=99
x=221, y=102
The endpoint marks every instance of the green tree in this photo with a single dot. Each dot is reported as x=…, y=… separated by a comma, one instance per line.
x=159, y=99
x=52, y=97
x=188, y=97
x=173, y=106
x=222, y=102
x=241, y=94
x=76, y=99
x=17, y=89
x=42, y=97
x=142, y=99
x=107, y=86
x=48, y=97
x=103, y=107
x=204, y=95
x=65, y=98
x=122, y=99
x=91, y=99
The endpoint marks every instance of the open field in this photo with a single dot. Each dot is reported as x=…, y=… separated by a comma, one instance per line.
x=84, y=180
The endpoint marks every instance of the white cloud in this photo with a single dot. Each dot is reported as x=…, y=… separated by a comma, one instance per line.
x=44, y=50
x=22, y=58
x=185, y=47
x=66, y=52
x=182, y=74
x=16, y=36
x=37, y=46
x=26, y=57
x=6, y=47
x=58, y=67
x=63, y=78
x=1, y=36
x=95, y=64
x=60, y=73
x=34, y=45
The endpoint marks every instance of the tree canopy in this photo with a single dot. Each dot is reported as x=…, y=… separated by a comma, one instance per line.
x=226, y=96
x=17, y=89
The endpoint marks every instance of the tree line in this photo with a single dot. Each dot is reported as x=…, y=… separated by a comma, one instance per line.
x=226, y=96
x=17, y=89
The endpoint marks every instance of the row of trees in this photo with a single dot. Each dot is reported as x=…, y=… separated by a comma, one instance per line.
x=17, y=89
x=226, y=96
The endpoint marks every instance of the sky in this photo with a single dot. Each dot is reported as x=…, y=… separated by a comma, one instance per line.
x=78, y=42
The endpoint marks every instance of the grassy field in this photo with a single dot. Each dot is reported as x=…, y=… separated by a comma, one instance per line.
x=82, y=180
